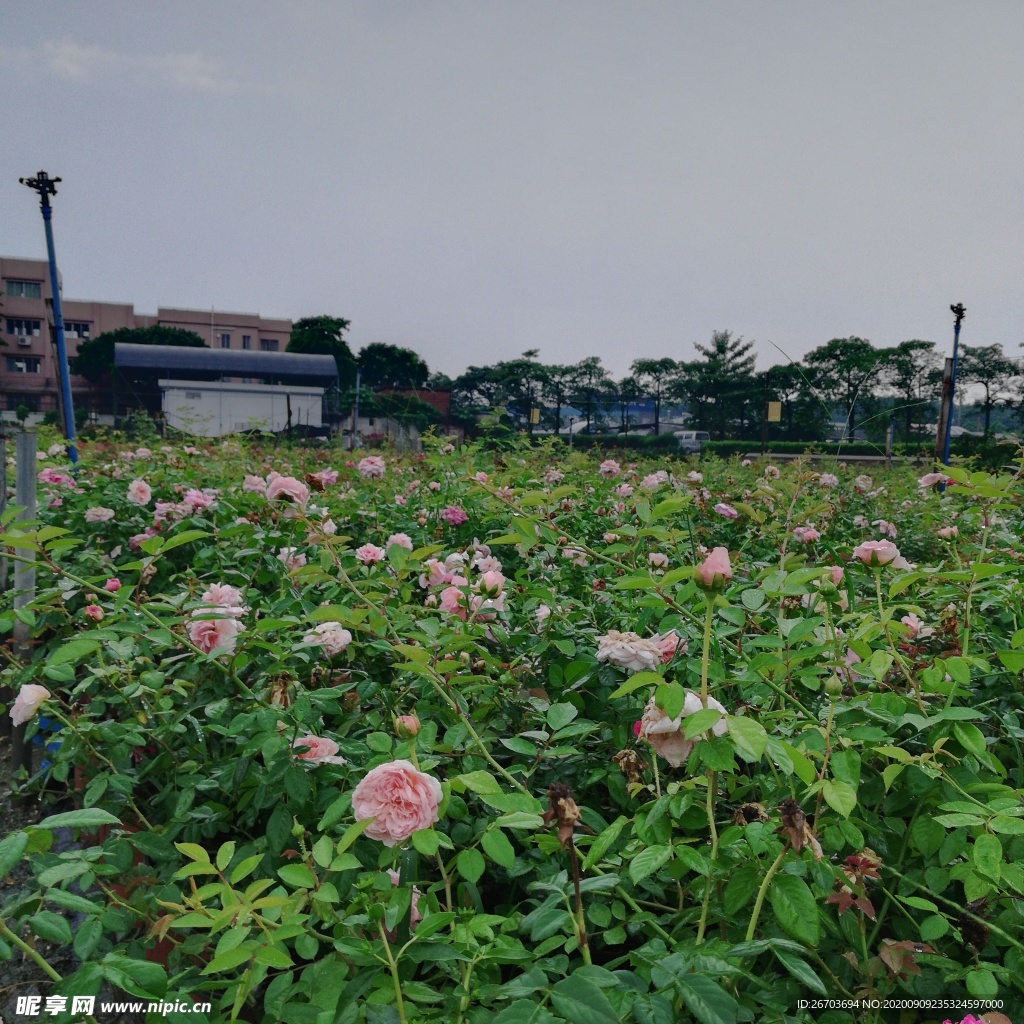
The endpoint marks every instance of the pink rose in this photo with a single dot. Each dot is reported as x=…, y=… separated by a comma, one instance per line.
x=139, y=492
x=213, y=634
x=94, y=612
x=222, y=597
x=254, y=485
x=99, y=514
x=930, y=479
x=668, y=644
x=317, y=750
x=880, y=552
x=331, y=636
x=453, y=515
x=715, y=569
x=291, y=558
x=666, y=735
x=287, y=487
x=949, y=532
x=726, y=510
x=453, y=601
x=403, y=540
x=806, y=534
x=407, y=726
x=609, y=469
x=372, y=467
x=400, y=799
x=491, y=583
x=369, y=554
x=27, y=703
x=913, y=624
x=113, y=585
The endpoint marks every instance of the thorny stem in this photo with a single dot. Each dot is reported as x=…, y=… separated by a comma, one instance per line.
x=34, y=955
x=709, y=615
x=581, y=924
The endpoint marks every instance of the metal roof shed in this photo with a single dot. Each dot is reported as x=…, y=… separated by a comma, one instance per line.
x=180, y=362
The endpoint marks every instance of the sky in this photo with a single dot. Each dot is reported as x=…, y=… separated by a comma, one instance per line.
x=475, y=179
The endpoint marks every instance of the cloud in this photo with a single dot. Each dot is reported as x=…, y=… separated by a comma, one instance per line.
x=88, y=63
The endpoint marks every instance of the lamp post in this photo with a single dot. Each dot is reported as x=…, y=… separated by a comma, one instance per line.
x=959, y=312
x=572, y=420
x=46, y=187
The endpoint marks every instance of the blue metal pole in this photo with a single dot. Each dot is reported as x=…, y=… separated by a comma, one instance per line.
x=58, y=327
x=959, y=312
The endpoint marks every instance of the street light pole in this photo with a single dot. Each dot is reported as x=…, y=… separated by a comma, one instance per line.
x=959, y=312
x=46, y=187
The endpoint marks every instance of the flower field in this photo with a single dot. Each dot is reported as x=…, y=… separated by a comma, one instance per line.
x=522, y=737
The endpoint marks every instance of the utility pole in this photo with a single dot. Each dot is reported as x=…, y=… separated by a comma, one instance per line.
x=46, y=187
x=355, y=413
x=959, y=312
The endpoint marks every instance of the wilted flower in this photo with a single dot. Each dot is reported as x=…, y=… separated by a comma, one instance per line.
x=331, y=636
x=629, y=651
x=828, y=480
x=863, y=483
x=98, y=514
x=930, y=479
x=666, y=734
x=771, y=472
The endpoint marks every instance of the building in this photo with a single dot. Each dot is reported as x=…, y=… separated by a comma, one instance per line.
x=28, y=368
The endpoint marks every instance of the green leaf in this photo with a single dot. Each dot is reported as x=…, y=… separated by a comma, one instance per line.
x=600, y=846
x=800, y=970
x=706, y=999
x=560, y=715
x=183, y=538
x=50, y=926
x=88, y=817
x=959, y=670
x=840, y=796
x=224, y=855
x=699, y=722
x=245, y=868
x=352, y=833
x=1013, y=660
x=426, y=841
x=139, y=977
x=11, y=849
x=649, y=860
x=193, y=852
x=297, y=875
x=795, y=908
x=970, y=737
x=580, y=1001
x=497, y=846
x=470, y=864
x=636, y=681
x=748, y=737
x=72, y=652
x=927, y=835
x=229, y=960
x=481, y=783
x=988, y=856
x=1007, y=825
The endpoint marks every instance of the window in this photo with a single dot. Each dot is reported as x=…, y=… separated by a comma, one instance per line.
x=23, y=289
x=225, y=341
x=26, y=364
x=76, y=329
x=246, y=342
x=31, y=402
x=24, y=328
x=194, y=395
x=268, y=344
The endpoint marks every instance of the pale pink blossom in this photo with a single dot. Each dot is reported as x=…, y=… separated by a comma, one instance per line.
x=402, y=540
x=28, y=701
x=666, y=735
x=828, y=480
x=715, y=569
x=806, y=534
x=658, y=560
x=94, y=612
x=434, y=485
x=135, y=543
x=624, y=490
x=880, y=552
x=291, y=558
x=629, y=651
x=726, y=510
x=369, y=554
x=694, y=477
x=325, y=477
x=254, y=485
x=948, y=532
x=224, y=598
x=930, y=479
x=453, y=601
x=196, y=500
x=576, y=555
x=453, y=515
x=214, y=634
x=863, y=483
x=554, y=476
x=885, y=527
x=668, y=645
x=113, y=585
x=861, y=522
x=98, y=514
x=400, y=800
x=745, y=463
x=609, y=469
x=331, y=636
x=317, y=750
x=289, y=488
x=139, y=492
x=836, y=572
x=491, y=583
x=436, y=574
x=653, y=481
x=373, y=467
x=913, y=624
x=771, y=472
x=55, y=476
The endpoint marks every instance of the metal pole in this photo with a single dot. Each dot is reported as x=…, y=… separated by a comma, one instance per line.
x=24, y=577
x=46, y=187
x=355, y=411
x=959, y=312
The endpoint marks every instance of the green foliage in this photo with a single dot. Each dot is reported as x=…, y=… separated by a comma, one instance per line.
x=95, y=357
x=324, y=336
x=390, y=366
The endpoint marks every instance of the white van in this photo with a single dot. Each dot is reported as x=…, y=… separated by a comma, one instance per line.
x=691, y=440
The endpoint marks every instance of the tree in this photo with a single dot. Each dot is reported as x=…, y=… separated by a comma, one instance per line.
x=654, y=377
x=842, y=369
x=556, y=386
x=987, y=366
x=911, y=372
x=804, y=416
x=95, y=357
x=322, y=336
x=721, y=384
x=388, y=366
x=629, y=391
x=592, y=387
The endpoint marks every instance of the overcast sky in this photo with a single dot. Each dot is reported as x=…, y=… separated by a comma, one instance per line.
x=472, y=180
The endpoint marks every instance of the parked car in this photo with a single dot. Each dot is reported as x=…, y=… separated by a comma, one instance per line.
x=690, y=441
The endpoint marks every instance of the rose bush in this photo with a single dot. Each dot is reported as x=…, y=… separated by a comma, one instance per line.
x=824, y=797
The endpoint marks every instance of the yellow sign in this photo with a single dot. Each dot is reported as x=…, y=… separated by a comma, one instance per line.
x=535, y=416
x=774, y=412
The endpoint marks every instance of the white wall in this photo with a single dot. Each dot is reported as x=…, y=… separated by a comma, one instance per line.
x=210, y=409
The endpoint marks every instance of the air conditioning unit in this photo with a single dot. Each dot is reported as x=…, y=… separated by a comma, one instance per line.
x=24, y=342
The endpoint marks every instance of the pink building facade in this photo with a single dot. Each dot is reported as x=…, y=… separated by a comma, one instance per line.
x=28, y=370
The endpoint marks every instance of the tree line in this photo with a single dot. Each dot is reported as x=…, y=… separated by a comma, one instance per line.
x=847, y=381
